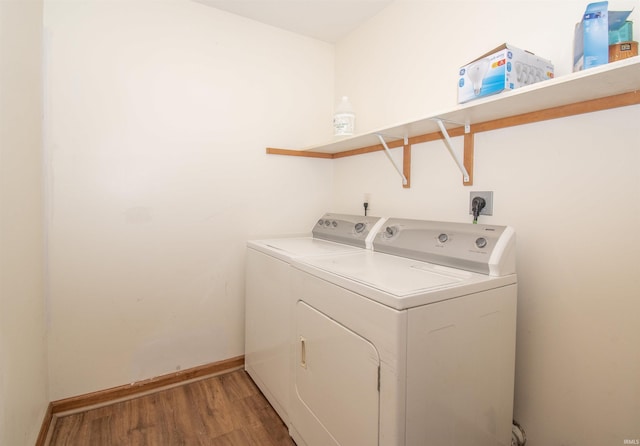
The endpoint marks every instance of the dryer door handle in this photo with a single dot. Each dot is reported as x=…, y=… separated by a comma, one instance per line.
x=303, y=352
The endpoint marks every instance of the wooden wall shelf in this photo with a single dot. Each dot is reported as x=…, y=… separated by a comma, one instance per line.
x=609, y=86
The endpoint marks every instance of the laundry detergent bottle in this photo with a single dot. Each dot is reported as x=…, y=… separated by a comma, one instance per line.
x=344, y=119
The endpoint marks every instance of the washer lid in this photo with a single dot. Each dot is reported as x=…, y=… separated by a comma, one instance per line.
x=397, y=282
x=292, y=247
x=391, y=274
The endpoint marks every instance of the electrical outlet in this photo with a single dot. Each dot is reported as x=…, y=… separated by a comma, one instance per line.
x=488, y=198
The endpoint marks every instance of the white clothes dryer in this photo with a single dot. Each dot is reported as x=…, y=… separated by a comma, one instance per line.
x=268, y=300
x=410, y=344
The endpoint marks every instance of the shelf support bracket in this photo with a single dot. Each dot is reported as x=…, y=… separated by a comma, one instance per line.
x=387, y=152
x=447, y=142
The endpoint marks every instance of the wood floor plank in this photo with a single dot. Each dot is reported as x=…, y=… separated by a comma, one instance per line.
x=233, y=438
x=219, y=418
x=224, y=410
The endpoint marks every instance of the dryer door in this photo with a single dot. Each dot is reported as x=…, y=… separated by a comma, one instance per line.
x=336, y=381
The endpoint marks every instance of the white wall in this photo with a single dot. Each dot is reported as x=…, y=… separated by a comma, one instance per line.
x=568, y=187
x=157, y=116
x=23, y=366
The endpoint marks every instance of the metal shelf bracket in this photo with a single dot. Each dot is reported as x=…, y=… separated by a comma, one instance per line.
x=447, y=142
x=388, y=153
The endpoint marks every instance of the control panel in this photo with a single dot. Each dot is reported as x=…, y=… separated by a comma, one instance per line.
x=355, y=230
x=487, y=249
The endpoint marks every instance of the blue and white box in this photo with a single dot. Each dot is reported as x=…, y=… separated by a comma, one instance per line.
x=503, y=68
x=591, y=37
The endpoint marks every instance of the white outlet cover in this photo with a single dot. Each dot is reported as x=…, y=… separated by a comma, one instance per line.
x=488, y=198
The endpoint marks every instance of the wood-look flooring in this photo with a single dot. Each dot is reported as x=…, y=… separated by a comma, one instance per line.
x=224, y=410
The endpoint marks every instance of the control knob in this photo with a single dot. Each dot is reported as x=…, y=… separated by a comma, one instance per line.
x=390, y=231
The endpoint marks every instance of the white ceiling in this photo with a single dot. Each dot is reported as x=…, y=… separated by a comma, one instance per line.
x=327, y=20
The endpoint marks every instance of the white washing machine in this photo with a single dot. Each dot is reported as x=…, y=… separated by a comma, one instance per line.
x=410, y=344
x=268, y=300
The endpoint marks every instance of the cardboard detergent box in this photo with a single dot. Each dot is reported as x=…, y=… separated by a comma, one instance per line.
x=591, y=35
x=622, y=50
x=503, y=68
